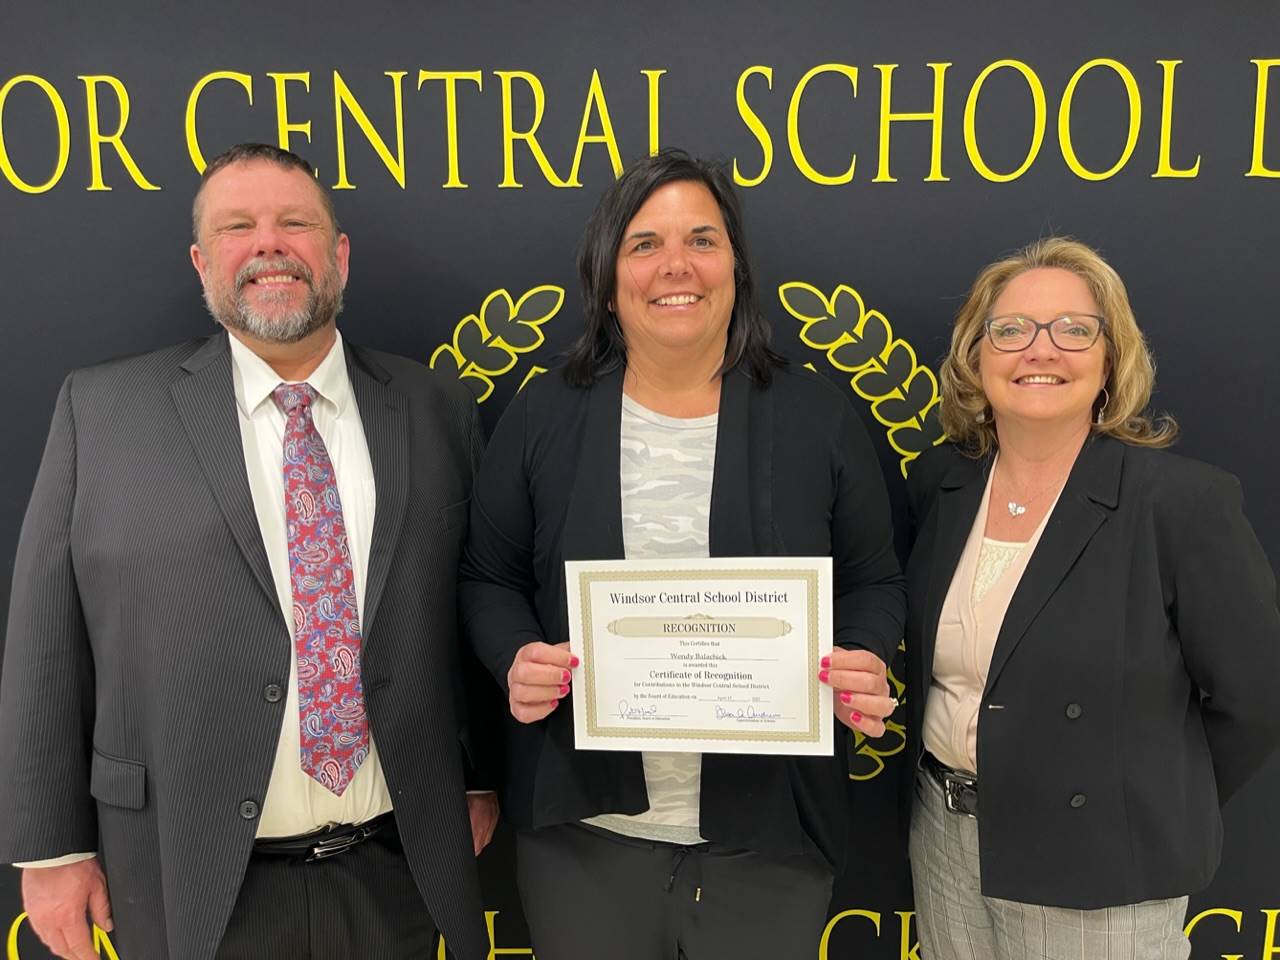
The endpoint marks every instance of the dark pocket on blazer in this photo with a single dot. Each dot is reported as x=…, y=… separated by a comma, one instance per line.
x=455, y=514
x=121, y=783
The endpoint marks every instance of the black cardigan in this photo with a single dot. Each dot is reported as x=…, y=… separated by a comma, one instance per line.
x=795, y=475
x=1131, y=690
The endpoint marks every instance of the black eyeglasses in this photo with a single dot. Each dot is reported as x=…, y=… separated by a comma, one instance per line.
x=1072, y=332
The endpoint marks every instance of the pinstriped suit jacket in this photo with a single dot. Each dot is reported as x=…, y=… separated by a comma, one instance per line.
x=144, y=628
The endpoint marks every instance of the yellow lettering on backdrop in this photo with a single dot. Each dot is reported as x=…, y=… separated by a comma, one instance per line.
x=1259, y=169
x=596, y=101
x=909, y=946
x=1064, y=119
x=97, y=139
x=451, y=78
x=530, y=137
x=934, y=117
x=284, y=127
x=793, y=125
x=823, y=944
x=655, y=139
x=1040, y=113
x=102, y=944
x=193, y=102
x=64, y=135
x=756, y=126
x=1270, y=949
x=1235, y=915
x=343, y=100
x=1164, y=166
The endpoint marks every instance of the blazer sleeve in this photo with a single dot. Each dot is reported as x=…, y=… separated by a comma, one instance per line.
x=870, y=593
x=496, y=581
x=1229, y=627
x=479, y=707
x=47, y=684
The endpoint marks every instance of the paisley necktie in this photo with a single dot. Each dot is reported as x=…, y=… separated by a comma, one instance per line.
x=334, y=735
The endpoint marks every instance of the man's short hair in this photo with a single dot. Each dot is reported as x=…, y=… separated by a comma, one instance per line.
x=246, y=153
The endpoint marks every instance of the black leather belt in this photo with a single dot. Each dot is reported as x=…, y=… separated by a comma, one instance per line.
x=323, y=843
x=959, y=789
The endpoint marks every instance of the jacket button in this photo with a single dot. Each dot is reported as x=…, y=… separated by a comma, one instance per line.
x=248, y=810
x=1074, y=710
x=272, y=693
x=1079, y=800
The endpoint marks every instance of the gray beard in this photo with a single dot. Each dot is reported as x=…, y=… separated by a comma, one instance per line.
x=322, y=306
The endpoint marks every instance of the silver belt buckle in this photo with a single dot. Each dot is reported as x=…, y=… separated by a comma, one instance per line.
x=336, y=845
x=953, y=787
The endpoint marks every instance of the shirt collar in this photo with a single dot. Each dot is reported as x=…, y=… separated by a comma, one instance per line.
x=255, y=380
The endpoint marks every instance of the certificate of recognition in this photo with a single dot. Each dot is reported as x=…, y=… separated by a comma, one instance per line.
x=707, y=656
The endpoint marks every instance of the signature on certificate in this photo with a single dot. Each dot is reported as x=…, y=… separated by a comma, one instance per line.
x=628, y=712
x=745, y=713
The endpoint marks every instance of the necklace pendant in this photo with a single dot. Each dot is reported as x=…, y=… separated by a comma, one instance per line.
x=1016, y=509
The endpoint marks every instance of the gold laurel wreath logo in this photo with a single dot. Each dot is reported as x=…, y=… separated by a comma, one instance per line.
x=903, y=394
x=489, y=343
x=904, y=399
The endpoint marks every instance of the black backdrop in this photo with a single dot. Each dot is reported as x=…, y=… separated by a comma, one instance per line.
x=1158, y=142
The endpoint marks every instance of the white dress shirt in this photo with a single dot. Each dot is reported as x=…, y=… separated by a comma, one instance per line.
x=295, y=803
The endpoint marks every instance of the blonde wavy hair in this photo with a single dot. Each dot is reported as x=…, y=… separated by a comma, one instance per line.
x=964, y=411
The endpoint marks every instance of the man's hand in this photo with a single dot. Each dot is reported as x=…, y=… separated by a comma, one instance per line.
x=483, y=810
x=862, y=700
x=57, y=901
x=538, y=678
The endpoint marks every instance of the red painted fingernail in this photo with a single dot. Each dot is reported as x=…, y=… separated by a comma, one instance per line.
x=565, y=676
x=824, y=675
x=826, y=662
x=846, y=696
x=856, y=717
x=564, y=689
x=554, y=704
x=574, y=662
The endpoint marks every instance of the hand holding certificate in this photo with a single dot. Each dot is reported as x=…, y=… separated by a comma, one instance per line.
x=713, y=656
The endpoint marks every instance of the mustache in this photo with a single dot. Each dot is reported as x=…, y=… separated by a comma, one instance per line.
x=260, y=266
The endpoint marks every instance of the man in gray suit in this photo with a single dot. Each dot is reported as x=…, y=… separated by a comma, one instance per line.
x=229, y=707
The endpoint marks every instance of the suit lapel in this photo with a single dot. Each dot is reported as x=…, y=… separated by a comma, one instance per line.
x=741, y=523
x=593, y=522
x=1091, y=492
x=205, y=400
x=384, y=416
x=959, y=498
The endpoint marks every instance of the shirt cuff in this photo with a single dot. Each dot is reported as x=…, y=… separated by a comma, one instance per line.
x=57, y=861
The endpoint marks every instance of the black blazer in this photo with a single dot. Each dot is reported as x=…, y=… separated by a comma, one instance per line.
x=1131, y=688
x=795, y=474
x=138, y=715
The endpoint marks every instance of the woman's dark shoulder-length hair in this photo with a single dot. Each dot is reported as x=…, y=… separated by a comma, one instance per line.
x=601, y=347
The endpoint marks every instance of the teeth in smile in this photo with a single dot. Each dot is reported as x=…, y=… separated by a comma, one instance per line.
x=682, y=300
x=275, y=278
x=1040, y=379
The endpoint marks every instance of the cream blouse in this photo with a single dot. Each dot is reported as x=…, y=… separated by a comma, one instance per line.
x=972, y=614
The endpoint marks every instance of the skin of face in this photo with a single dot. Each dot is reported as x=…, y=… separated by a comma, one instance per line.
x=267, y=256
x=674, y=289
x=1074, y=378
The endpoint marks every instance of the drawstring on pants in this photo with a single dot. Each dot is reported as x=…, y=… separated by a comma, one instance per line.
x=676, y=863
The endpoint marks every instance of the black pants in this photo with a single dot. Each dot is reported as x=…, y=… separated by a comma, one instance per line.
x=590, y=893
x=359, y=904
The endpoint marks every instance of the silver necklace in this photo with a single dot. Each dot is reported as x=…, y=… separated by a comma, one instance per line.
x=1018, y=507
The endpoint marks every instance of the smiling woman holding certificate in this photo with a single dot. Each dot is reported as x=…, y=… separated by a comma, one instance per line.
x=674, y=433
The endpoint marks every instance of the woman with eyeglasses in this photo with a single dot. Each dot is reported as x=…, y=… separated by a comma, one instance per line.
x=1092, y=634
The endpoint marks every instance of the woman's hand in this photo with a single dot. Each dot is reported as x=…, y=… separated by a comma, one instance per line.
x=538, y=678
x=860, y=681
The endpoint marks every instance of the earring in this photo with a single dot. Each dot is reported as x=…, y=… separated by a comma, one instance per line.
x=1102, y=410
x=981, y=417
